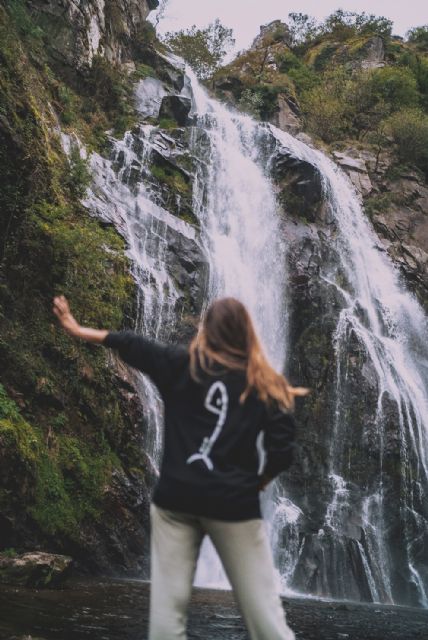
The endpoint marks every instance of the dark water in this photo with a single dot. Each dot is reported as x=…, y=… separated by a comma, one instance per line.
x=113, y=610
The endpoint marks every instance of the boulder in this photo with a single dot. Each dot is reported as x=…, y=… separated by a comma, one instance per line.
x=373, y=53
x=176, y=108
x=35, y=569
x=275, y=31
x=286, y=117
x=357, y=171
x=300, y=184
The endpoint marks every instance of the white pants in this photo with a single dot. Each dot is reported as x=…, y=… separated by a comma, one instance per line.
x=246, y=556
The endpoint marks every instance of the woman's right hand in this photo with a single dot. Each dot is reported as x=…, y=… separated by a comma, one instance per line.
x=62, y=311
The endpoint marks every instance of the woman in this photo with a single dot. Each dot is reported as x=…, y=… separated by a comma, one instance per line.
x=228, y=433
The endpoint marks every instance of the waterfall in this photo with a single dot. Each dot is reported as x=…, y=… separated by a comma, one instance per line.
x=391, y=328
x=234, y=200
x=242, y=239
x=118, y=197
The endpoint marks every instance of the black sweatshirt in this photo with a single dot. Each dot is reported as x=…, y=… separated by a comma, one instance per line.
x=215, y=448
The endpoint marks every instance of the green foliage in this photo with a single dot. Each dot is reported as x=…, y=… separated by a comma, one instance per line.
x=325, y=109
x=350, y=105
x=144, y=39
x=419, y=36
x=97, y=281
x=171, y=177
x=340, y=25
x=303, y=76
x=22, y=19
x=167, y=123
x=395, y=86
x=10, y=552
x=79, y=176
x=251, y=102
x=409, y=130
x=304, y=29
x=344, y=24
x=203, y=49
x=378, y=203
x=8, y=408
x=70, y=480
x=67, y=476
x=143, y=71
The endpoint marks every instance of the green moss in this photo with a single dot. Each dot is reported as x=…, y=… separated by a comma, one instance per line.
x=143, y=71
x=378, y=203
x=68, y=475
x=171, y=177
x=69, y=485
x=167, y=123
x=53, y=440
x=10, y=552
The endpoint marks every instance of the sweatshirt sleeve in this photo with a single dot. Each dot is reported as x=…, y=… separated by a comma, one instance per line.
x=149, y=356
x=279, y=442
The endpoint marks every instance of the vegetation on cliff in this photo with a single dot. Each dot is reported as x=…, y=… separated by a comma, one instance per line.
x=347, y=78
x=64, y=425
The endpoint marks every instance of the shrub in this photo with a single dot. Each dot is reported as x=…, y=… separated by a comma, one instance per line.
x=397, y=87
x=325, y=108
x=409, y=130
x=251, y=102
x=79, y=176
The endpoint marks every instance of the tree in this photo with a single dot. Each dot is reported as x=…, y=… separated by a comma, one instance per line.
x=303, y=28
x=203, y=49
x=419, y=36
x=396, y=87
x=343, y=24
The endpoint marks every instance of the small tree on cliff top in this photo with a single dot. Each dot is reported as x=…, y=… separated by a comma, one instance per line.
x=203, y=49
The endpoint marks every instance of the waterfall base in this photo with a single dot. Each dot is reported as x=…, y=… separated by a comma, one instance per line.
x=119, y=609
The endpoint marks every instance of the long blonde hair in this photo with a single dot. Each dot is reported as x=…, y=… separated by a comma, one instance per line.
x=226, y=336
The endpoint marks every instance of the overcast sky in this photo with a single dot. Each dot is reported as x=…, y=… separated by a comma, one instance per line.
x=246, y=16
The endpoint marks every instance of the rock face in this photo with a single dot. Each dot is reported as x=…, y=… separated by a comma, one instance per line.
x=37, y=570
x=373, y=53
x=81, y=30
x=357, y=170
x=300, y=185
x=176, y=108
x=274, y=32
x=256, y=81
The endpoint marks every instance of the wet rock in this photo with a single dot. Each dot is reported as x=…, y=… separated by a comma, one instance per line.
x=115, y=610
x=149, y=95
x=357, y=171
x=79, y=31
x=176, y=108
x=36, y=569
x=299, y=183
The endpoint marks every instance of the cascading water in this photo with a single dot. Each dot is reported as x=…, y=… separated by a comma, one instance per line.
x=116, y=196
x=234, y=200
x=391, y=328
x=235, y=203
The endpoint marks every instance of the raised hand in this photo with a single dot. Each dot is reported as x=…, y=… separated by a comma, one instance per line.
x=62, y=311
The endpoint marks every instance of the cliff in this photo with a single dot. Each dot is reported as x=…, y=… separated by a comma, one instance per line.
x=73, y=475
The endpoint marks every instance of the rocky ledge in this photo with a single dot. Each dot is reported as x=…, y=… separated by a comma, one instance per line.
x=35, y=569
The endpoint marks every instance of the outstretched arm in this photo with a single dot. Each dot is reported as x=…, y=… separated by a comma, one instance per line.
x=62, y=311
